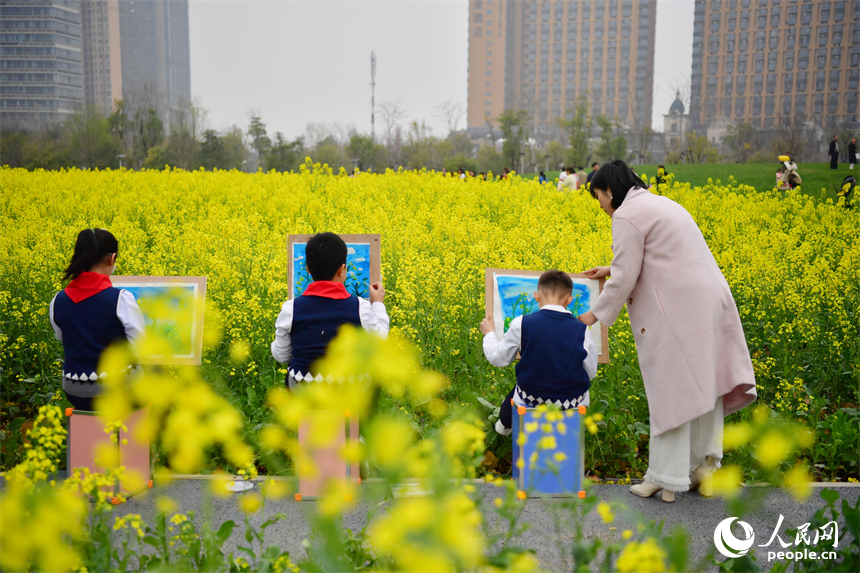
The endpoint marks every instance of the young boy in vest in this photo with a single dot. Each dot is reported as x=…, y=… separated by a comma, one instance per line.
x=558, y=358
x=308, y=323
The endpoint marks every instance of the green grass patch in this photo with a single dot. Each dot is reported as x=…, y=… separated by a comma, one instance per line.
x=819, y=181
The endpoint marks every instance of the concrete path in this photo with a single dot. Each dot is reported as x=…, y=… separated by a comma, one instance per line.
x=698, y=515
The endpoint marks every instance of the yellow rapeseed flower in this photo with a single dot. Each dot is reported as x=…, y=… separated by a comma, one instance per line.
x=797, y=480
x=726, y=481
x=250, y=502
x=772, y=448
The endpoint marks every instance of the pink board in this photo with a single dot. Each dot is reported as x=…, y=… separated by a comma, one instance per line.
x=327, y=459
x=86, y=434
x=134, y=455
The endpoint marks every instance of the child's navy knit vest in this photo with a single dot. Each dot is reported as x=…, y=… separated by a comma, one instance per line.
x=88, y=328
x=316, y=321
x=552, y=351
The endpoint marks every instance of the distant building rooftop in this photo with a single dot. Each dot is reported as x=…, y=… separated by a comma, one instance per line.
x=677, y=105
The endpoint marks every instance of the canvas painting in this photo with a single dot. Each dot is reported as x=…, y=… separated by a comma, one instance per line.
x=510, y=293
x=173, y=310
x=362, y=264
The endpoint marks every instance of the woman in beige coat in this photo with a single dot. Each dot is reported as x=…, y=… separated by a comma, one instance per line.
x=692, y=352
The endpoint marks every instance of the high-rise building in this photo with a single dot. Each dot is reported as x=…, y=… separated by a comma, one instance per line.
x=102, y=53
x=775, y=62
x=156, y=59
x=542, y=55
x=41, y=74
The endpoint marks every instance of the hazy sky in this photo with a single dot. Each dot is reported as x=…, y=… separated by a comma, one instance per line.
x=296, y=62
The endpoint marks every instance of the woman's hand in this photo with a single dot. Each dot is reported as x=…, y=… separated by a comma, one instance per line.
x=597, y=272
x=487, y=326
x=587, y=319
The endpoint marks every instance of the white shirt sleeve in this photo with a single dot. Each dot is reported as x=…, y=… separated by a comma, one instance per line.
x=374, y=317
x=282, y=348
x=57, y=332
x=503, y=353
x=129, y=314
x=590, y=363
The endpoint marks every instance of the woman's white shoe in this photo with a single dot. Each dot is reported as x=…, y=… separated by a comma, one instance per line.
x=645, y=489
x=700, y=479
x=648, y=489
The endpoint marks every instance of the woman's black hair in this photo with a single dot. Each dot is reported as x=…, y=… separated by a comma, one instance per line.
x=617, y=178
x=91, y=247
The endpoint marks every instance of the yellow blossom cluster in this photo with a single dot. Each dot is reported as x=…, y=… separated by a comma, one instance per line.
x=47, y=440
x=422, y=534
x=643, y=557
x=773, y=442
x=192, y=417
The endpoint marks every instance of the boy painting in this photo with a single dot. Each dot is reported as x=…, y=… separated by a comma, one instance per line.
x=308, y=323
x=558, y=358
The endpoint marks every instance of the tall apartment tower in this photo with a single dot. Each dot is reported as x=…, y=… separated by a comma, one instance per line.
x=541, y=55
x=41, y=72
x=775, y=62
x=102, y=53
x=156, y=59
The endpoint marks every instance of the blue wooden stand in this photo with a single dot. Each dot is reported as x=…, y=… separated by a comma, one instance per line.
x=540, y=438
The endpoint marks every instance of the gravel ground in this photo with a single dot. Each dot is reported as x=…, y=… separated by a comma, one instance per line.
x=698, y=515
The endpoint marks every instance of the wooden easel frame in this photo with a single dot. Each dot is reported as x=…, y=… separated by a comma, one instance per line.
x=375, y=262
x=199, y=284
x=603, y=357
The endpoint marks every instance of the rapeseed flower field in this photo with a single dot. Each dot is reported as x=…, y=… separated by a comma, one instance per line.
x=793, y=264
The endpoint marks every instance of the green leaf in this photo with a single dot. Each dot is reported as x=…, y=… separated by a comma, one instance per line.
x=829, y=495
x=224, y=531
x=252, y=394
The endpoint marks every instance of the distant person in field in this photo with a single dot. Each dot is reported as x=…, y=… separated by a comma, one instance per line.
x=594, y=167
x=852, y=154
x=307, y=324
x=693, y=355
x=571, y=181
x=834, y=152
x=90, y=314
x=558, y=357
x=661, y=181
x=582, y=176
x=787, y=174
x=562, y=175
x=542, y=178
x=849, y=184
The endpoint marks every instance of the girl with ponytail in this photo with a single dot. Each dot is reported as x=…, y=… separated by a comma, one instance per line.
x=90, y=314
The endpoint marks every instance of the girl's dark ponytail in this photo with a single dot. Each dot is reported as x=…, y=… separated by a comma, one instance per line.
x=91, y=247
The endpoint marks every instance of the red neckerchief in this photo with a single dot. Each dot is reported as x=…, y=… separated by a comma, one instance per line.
x=326, y=289
x=86, y=285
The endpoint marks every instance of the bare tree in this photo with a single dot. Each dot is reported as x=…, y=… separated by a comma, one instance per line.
x=198, y=118
x=802, y=140
x=450, y=111
x=391, y=112
x=314, y=134
x=144, y=108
